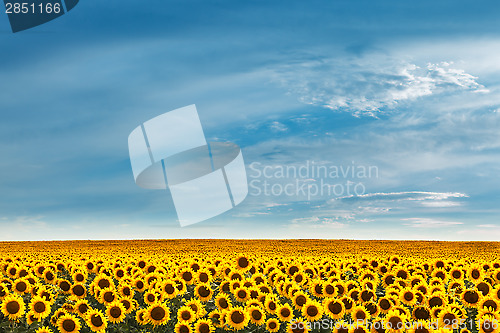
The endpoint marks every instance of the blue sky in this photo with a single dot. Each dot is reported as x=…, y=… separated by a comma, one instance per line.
x=411, y=89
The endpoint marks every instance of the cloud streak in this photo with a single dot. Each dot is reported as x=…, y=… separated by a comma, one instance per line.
x=371, y=84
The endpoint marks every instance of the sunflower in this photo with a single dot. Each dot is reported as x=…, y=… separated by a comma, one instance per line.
x=68, y=323
x=341, y=326
x=284, y=312
x=197, y=307
x=183, y=327
x=237, y=318
x=271, y=304
x=204, y=326
x=44, y=329
x=141, y=317
x=358, y=328
x=471, y=297
x=217, y=318
x=242, y=263
x=39, y=307
x=395, y=321
x=4, y=290
x=115, y=312
x=203, y=292
x=78, y=290
x=81, y=307
x=334, y=308
x=79, y=277
x=421, y=312
x=312, y=310
x=128, y=303
x=272, y=325
x=297, y=326
x=13, y=307
x=449, y=318
x=96, y=320
x=367, y=295
x=407, y=297
x=384, y=304
x=222, y=301
x=316, y=288
x=186, y=314
x=299, y=299
x=359, y=313
x=475, y=273
x=436, y=300
x=21, y=286
x=388, y=279
x=150, y=297
x=257, y=315
x=489, y=324
x=158, y=314
x=125, y=290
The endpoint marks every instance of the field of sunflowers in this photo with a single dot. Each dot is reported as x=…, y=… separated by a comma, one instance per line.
x=341, y=286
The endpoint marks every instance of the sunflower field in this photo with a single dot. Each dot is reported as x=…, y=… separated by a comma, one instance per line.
x=205, y=286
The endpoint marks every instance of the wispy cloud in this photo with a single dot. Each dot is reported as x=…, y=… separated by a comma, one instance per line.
x=405, y=196
x=418, y=222
x=370, y=84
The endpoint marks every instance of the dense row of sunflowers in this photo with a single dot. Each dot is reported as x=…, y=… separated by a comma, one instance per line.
x=204, y=286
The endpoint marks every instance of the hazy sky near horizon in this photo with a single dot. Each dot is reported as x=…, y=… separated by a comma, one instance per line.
x=407, y=90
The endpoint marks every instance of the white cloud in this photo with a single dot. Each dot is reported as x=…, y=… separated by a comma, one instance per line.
x=370, y=84
x=419, y=222
x=405, y=196
x=278, y=127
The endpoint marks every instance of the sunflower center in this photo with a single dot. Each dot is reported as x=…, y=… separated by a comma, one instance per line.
x=151, y=297
x=13, y=307
x=237, y=317
x=21, y=286
x=96, y=320
x=272, y=325
x=360, y=315
x=186, y=315
x=488, y=326
x=490, y=303
x=204, y=292
x=169, y=289
x=395, y=323
x=115, y=312
x=187, y=276
x=78, y=290
x=256, y=315
x=301, y=300
x=422, y=313
x=475, y=274
x=471, y=297
x=385, y=304
x=204, y=328
x=158, y=313
x=184, y=329
x=39, y=307
x=312, y=311
x=103, y=284
x=285, y=312
x=359, y=330
x=82, y=308
x=109, y=296
x=69, y=325
x=223, y=303
x=335, y=307
x=243, y=262
x=435, y=301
